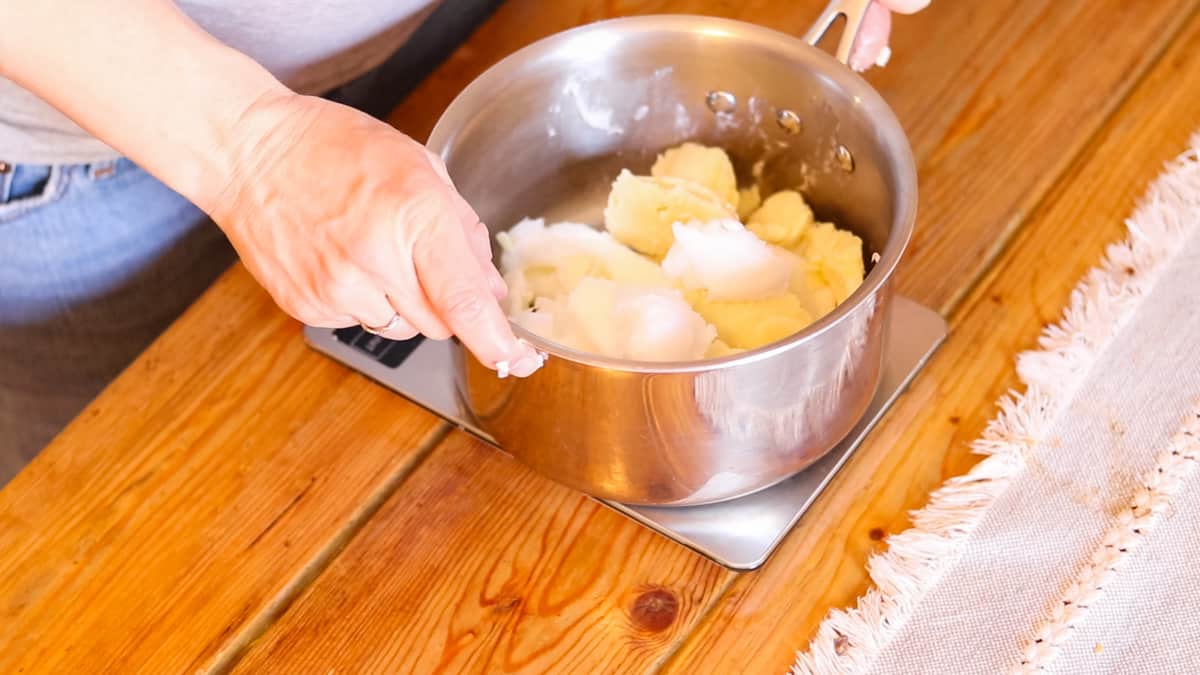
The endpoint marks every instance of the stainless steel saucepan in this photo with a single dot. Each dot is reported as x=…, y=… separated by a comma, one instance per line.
x=544, y=132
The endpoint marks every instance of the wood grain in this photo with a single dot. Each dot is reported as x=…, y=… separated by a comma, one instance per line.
x=440, y=582
x=347, y=609
x=767, y=615
x=997, y=98
x=187, y=507
x=183, y=504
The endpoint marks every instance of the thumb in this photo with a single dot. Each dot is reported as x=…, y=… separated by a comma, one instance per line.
x=871, y=48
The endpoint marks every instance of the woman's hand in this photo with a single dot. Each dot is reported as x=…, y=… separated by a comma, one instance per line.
x=344, y=220
x=871, y=48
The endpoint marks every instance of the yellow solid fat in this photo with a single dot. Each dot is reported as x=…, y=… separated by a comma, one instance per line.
x=642, y=209
x=701, y=164
x=837, y=255
x=782, y=219
x=748, y=325
x=814, y=293
x=719, y=349
x=749, y=199
x=630, y=292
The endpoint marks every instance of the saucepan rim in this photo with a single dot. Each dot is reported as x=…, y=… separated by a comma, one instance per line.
x=896, y=148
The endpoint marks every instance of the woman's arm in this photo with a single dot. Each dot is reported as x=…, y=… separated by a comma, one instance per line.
x=340, y=217
x=143, y=77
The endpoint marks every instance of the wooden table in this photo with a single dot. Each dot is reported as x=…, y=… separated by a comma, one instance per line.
x=235, y=501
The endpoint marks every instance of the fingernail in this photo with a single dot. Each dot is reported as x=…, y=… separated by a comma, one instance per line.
x=858, y=62
x=885, y=55
x=861, y=62
x=527, y=365
x=528, y=362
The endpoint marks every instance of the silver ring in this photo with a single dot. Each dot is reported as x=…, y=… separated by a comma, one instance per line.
x=392, y=324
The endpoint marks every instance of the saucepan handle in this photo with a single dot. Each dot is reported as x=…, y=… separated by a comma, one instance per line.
x=854, y=11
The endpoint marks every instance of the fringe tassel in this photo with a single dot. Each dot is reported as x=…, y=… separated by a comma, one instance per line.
x=848, y=641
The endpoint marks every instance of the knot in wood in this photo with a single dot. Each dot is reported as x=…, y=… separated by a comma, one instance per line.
x=655, y=610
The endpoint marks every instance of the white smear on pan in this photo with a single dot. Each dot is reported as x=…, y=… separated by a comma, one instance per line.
x=599, y=117
x=683, y=121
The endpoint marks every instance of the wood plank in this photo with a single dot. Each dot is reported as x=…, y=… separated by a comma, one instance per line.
x=441, y=581
x=997, y=98
x=767, y=615
x=182, y=506
x=183, y=510
x=383, y=592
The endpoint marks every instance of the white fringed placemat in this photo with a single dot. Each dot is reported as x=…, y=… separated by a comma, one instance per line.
x=1074, y=547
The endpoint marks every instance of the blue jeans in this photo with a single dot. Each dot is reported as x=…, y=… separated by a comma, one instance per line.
x=95, y=261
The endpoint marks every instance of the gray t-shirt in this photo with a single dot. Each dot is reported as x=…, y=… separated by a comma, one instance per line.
x=311, y=46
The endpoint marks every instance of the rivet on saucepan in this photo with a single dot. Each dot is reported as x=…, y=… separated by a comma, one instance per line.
x=721, y=101
x=844, y=158
x=789, y=121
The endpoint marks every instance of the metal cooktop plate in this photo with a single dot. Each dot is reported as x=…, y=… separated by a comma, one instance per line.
x=739, y=534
